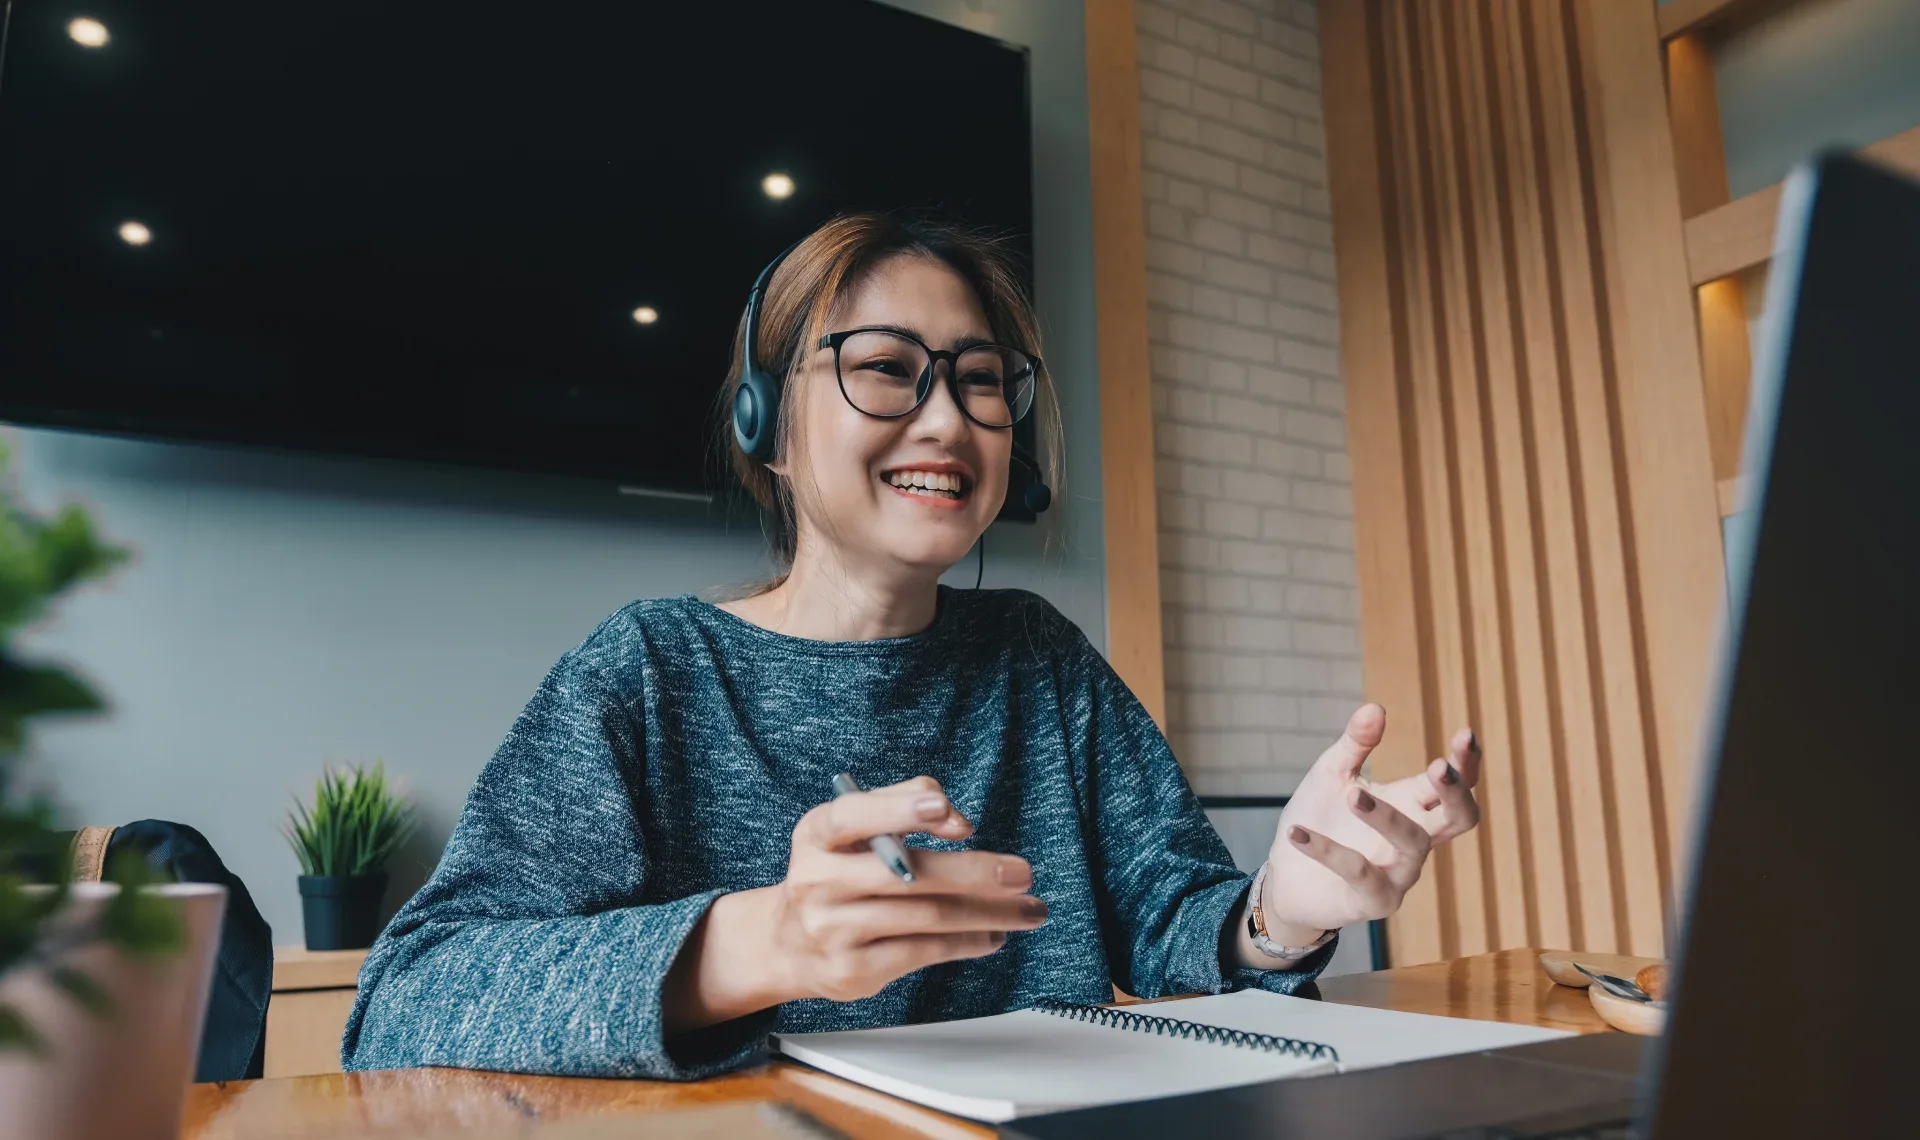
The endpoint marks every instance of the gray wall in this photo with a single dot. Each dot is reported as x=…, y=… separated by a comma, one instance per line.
x=284, y=612
x=1816, y=73
x=1813, y=74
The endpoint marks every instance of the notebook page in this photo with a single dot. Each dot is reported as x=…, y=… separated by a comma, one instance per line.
x=1019, y=1064
x=1363, y=1037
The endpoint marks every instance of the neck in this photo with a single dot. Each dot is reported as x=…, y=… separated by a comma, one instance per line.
x=823, y=599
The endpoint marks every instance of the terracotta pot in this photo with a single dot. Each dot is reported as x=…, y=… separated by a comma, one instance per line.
x=120, y=1077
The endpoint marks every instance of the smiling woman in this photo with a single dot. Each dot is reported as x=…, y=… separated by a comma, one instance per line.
x=867, y=409
x=653, y=873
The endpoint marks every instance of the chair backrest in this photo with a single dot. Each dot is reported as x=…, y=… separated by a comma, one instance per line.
x=90, y=853
x=233, y=1044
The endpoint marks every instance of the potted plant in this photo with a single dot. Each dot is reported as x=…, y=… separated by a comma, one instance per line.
x=343, y=844
x=102, y=985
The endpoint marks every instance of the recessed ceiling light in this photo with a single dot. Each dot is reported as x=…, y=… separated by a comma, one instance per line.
x=133, y=233
x=777, y=186
x=88, y=32
x=645, y=315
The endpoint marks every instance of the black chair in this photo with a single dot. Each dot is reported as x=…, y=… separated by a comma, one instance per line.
x=233, y=1045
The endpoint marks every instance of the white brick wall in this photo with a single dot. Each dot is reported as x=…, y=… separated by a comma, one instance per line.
x=1256, y=515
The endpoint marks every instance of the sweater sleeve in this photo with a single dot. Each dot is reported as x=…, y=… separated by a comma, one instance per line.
x=528, y=951
x=1167, y=884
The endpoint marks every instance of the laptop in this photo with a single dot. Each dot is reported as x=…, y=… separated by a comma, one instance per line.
x=1789, y=984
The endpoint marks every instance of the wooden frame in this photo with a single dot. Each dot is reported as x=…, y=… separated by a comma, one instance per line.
x=1687, y=17
x=1724, y=238
x=1739, y=234
x=1134, y=645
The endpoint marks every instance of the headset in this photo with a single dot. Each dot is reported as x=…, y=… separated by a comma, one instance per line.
x=756, y=402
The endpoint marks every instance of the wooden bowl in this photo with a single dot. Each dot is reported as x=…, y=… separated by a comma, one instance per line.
x=1559, y=967
x=1628, y=1016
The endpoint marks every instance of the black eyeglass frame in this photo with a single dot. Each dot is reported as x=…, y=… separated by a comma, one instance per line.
x=923, y=383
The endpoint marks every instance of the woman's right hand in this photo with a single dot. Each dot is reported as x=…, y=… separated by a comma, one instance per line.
x=841, y=925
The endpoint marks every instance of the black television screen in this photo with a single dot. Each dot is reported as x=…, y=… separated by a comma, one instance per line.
x=475, y=231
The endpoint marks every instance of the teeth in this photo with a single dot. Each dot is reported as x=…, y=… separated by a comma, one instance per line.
x=927, y=482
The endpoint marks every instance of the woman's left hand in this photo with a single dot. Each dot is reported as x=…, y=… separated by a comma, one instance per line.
x=1348, y=849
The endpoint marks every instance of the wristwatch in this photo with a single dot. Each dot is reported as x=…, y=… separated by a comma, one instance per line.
x=1257, y=928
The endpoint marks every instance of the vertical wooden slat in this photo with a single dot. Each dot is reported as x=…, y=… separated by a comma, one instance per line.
x=1130, y=513
x=1366, y=209
x=1527, y=486
x=1456, y=866
x=1582, y=391
x=1502, y=489
x=1463, y=366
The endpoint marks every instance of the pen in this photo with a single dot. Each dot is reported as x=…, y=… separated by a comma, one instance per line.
x=891, y=851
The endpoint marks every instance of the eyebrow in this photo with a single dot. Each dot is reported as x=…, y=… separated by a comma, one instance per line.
x=960, y=345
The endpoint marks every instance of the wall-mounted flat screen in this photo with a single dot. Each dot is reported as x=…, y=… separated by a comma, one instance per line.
x=491, y=233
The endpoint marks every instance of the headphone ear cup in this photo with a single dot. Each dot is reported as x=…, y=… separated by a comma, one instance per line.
x=756, y=414
x=1038, y=496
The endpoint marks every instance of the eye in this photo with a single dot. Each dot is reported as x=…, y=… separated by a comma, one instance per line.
x=885, y=366
x=981, y=378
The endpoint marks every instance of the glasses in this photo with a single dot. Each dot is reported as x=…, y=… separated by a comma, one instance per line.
x=887, y=373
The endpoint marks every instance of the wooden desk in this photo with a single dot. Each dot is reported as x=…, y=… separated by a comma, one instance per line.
x=1505, y=986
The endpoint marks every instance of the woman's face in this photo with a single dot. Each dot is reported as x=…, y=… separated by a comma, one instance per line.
x=911, y=493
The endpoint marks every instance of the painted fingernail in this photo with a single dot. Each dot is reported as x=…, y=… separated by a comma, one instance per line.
x=1363, y=801
x=1013, y=873
x=1450, y=776
x=930, y=807
x=1473, y=743
x=1033, y=909
x=1299, y=835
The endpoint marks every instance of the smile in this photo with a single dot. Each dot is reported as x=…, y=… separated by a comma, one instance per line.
x=937, y=487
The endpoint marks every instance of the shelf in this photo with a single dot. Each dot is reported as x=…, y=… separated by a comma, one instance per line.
x=1727, y=239
x=1683, y=16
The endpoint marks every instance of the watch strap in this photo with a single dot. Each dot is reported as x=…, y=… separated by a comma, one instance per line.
x=1257, y=927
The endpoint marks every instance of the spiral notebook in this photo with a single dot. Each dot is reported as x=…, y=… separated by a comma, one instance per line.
x=1057, y=1056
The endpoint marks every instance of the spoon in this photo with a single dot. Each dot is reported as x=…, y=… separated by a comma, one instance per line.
x=1618, y=987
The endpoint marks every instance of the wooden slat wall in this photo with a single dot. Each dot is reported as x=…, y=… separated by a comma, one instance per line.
x=1530, y=449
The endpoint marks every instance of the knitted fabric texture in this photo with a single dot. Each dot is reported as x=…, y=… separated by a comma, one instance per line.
x=665, y=762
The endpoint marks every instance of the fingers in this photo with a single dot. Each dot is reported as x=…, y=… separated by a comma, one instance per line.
x=847, y=822
x=1456, y=812
x=1363, y=732
x=1463, y=752
x=893, y=957
x=934, y=872
x=1378, y=895
x=1407, y=837
x=873, y=919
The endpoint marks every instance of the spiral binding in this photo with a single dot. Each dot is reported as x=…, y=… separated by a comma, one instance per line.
x=1190, y=1030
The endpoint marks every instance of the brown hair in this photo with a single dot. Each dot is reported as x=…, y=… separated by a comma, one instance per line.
x=800, y=297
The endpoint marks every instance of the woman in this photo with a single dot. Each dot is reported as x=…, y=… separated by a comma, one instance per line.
x=651, y=874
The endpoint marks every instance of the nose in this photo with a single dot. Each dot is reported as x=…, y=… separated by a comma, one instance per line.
x=939, y=418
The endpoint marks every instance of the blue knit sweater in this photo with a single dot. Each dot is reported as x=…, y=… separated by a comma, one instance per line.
x=666, y=760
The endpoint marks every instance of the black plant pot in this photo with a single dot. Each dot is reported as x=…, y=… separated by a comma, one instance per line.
x=342, y=912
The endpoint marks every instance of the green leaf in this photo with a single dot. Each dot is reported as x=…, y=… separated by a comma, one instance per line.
x=355, y=825
x=89, y=994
